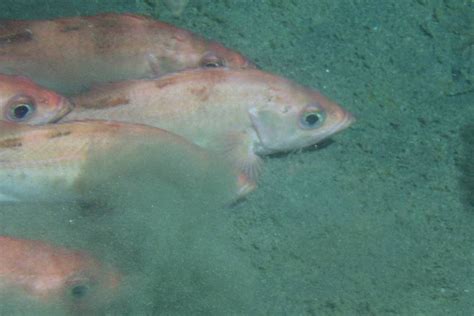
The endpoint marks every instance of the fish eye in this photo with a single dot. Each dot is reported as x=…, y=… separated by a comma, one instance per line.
x=212, y=64
x=212, y=61
x=21, y=111
x=79, y=291
x=312, y=119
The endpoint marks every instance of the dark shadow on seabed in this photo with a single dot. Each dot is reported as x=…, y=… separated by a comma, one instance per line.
x=466, y=166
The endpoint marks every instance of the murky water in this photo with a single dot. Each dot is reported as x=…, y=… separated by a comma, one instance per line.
x=376, y=222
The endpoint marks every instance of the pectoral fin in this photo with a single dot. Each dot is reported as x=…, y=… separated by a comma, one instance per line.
x=239, y=150
x=154, y=64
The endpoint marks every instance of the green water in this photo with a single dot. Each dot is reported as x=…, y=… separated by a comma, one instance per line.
x=378, y=222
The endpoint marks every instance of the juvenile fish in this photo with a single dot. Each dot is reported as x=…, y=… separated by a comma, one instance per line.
x=23, y=101
x=79, y=161
x=242, y=113
x=41, y=272
x=70, y=54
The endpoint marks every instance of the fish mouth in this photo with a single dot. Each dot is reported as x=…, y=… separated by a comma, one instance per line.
x=347, y=120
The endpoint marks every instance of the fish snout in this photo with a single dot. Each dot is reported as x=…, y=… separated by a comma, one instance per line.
x=347, y=120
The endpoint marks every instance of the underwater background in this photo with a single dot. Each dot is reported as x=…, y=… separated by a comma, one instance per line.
x=378, y=221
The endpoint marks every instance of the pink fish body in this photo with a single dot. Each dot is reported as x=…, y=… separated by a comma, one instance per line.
x=66, y=162
x=244, y=113
x=46, y=273
x=71, y=54
x=23, y=101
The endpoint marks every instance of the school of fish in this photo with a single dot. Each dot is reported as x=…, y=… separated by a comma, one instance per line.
x=78, y=94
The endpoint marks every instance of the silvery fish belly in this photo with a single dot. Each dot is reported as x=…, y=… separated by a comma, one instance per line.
x=23, y=101
x=71, y=161
x=70, y=54
x=243, y=114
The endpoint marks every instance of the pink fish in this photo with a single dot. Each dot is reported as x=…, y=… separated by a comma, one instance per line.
x=70, y=161
x=23, y=101
x=243, y=114
x=49, y=274
x=71, y=54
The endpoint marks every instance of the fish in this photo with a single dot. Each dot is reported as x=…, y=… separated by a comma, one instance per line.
x=25, y=102
x=70, y=54
x=241, y=114
x=79, y=161
x=42, y=272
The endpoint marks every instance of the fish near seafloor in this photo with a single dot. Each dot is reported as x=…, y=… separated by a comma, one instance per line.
x=70, y=54
x=74, y=161
x=244, y=113
x=23, y=101
x=36, y=271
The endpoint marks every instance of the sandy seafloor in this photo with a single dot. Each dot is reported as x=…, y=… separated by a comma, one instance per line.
x=379, y=221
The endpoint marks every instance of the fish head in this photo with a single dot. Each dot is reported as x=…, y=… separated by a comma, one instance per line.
x=72, y=279
x=92, y=287
x=217, y=55
x=23, y=101
x=295, y=118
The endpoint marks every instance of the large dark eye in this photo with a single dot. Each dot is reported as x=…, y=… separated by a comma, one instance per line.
x=311, y=119
x=21, y=111
x=79, y=291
